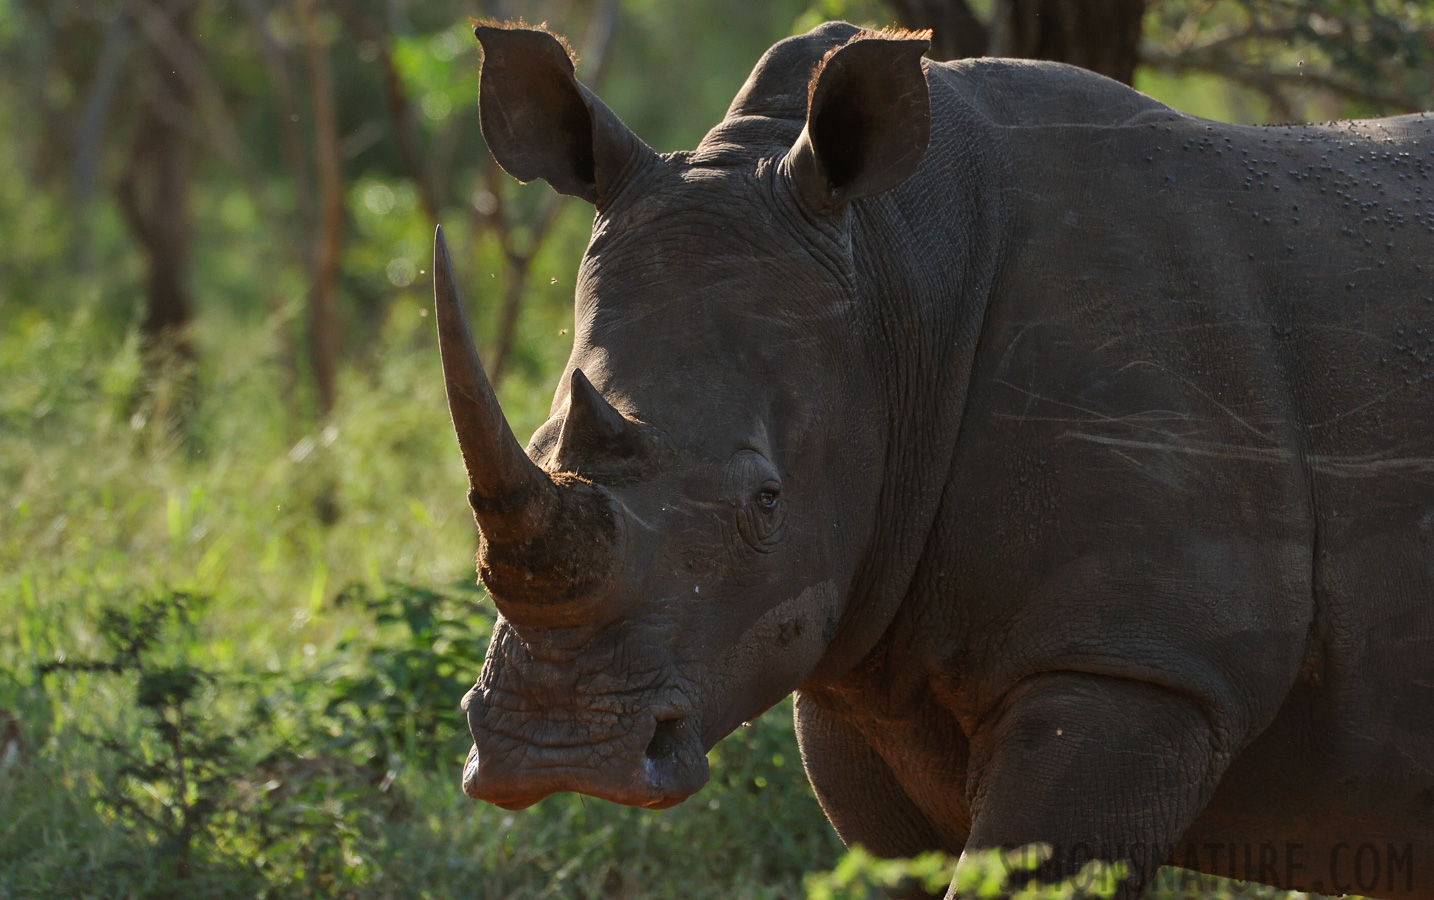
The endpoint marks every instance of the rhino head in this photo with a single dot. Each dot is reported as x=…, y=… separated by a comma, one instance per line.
x=674, y=552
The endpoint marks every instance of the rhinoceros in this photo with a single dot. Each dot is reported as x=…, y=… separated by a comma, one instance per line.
x=1070, y=458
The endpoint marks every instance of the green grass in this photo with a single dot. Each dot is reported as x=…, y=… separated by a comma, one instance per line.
x=730, y=841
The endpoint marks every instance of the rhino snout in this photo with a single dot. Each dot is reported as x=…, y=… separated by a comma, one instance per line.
x=652, y=762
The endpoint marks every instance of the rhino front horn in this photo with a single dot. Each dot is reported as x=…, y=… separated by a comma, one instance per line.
x=548, y=542
x=503, y=482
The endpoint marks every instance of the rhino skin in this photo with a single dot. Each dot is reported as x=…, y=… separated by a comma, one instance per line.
x=1069, y=457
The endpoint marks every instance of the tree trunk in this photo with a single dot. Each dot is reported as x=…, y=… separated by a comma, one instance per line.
x=1100, y=35
x=154, y=196
x=323, y=312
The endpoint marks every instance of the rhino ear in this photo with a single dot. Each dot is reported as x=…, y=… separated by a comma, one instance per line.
x=539, y=122
x=868, y=120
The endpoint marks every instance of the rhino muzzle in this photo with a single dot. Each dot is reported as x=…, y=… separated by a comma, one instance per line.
x=610, y=718
x=656, y=766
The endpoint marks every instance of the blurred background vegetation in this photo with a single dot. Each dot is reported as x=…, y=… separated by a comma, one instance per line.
x=236, y=599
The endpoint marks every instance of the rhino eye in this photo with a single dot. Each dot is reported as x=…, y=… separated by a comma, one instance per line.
x=756, y=495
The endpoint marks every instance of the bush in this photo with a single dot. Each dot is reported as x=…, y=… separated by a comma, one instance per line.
x=985, y=874
x=200, y=816
x=396, y=697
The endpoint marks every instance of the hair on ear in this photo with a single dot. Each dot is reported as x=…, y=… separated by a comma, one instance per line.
x=868, y=119
x=520, y=25
x=889, y=33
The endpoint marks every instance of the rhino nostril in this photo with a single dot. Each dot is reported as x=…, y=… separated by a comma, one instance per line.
x=665, y=739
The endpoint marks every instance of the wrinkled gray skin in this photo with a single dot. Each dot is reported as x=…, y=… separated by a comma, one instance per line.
x=1077, y=472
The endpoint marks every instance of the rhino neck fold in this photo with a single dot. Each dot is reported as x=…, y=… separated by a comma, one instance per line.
x=927, y=257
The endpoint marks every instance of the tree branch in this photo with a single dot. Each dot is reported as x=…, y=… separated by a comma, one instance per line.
x=400, y=110
x=1273, y=83
x=188, y=67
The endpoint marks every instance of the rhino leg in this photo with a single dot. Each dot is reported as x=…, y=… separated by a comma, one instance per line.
x=858, y=791
x=1094, y=766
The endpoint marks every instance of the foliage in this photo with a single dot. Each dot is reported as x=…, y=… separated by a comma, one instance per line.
x=263, y=798
x=1305, y=59
x=395, y=697
x=164, y=791
x=988, y=873
x=858, y=876
x=180, y=788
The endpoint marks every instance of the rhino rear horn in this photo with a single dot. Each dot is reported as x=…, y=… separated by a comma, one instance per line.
x=539, y=122
x=868, y=120
x=592, y=427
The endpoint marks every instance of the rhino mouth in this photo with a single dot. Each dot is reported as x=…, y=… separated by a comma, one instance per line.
x=655, y=767
x=636, y=747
